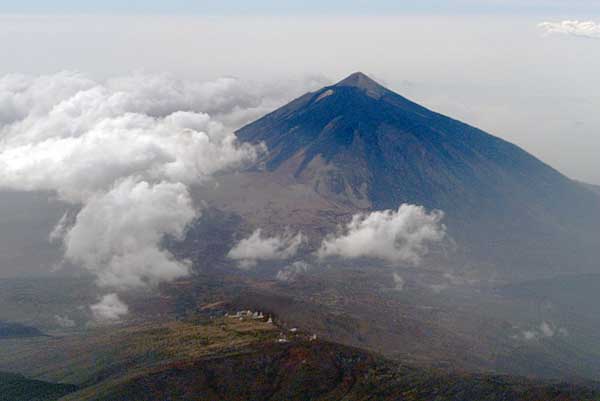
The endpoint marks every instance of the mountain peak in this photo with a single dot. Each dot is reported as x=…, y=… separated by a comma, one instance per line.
x=362, y=81
x=357, y=79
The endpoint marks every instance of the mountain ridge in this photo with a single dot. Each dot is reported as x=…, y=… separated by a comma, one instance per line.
x=325, y=371
x=232, y=358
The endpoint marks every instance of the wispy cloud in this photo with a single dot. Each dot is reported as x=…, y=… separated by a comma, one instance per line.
x=584, y=29
x=64, y=321
x=289, y=273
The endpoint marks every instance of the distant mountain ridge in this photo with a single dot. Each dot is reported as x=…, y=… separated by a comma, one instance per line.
x=15, y=387
x=364, y=146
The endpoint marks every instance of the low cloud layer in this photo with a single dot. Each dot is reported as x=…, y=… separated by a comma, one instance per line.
x=258, y=247
x=395, y=236
x=123, y=153
x=585, y=29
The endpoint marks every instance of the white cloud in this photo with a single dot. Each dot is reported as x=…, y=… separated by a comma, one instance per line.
x=82, y=140
x=399, y=282
x=123, y=152
x=62, y=227
x=117, y=232
x=546, y=329
x=291, y=272
x=400, y=236
x=109, y=309
x=586, y=29
x=64, y=321
x=256, y=247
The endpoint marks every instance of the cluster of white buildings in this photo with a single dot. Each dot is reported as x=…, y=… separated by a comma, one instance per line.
x=252, y=315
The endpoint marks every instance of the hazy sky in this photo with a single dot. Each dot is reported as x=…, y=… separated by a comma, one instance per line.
x=488, y=63
x=263, y=7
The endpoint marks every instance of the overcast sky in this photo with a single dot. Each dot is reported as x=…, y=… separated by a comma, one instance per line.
x=488, y=63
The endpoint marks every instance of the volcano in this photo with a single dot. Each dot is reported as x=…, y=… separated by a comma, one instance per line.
x=362, y=146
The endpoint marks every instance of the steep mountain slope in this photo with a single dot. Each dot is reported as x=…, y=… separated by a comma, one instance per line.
x=362, y=145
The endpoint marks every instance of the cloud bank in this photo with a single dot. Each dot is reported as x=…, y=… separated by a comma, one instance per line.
x=395, y=236
x=585, y=29
x=257, y=247
x=77, y=137
x=123, y=152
